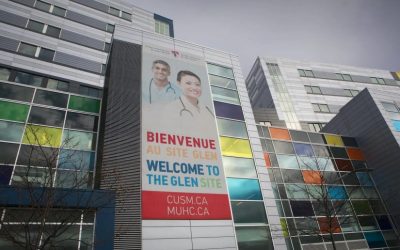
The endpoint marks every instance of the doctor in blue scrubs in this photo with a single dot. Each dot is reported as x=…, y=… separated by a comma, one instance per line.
x=160, y=89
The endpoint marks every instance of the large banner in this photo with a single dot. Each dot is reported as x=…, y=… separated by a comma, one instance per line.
x=182, y=174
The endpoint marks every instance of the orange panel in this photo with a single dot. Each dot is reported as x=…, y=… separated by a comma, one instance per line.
x=279, y=133
x=326, y=227
x=355, y=154
x=267, y=160
x=311, y=177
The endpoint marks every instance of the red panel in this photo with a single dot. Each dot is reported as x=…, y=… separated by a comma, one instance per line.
x=184, y=206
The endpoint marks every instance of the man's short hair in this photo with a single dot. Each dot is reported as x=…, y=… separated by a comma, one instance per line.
x=186, y=73
x=161, y=62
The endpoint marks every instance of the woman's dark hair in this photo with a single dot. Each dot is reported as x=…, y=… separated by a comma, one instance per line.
x=186, y=73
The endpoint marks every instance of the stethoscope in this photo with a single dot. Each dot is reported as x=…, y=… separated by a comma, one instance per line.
x=185, y=110
x=169, y=89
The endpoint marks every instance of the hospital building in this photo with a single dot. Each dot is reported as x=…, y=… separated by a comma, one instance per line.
x=116, y=135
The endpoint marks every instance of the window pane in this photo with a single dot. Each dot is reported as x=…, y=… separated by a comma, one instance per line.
x=10, y=131
x=244, y=189
x=347, y=77
x=254, y=238
x=27, y=49
x=279, y=133
x=4, y=74
x=46, y=116
x=35, y=26
x=339, y=152
x=87, y=237
x=299, y=136
x=50, y=98
x=79, y=140
x=126, y=16
x=44, y=136
x=316, y=138
x=38, y=156
x=110, y=28
x=8, y=153
x=59, y=11
x=231, y=128
x=14, y=92
x=309, y=73
x=42, y=6
x=296, y=191
x=5, y=174
x=288, y=161
x=381, y=81
x=74, y=179
x=391, y=107
x=239, y=167
x=222, y=82
x=302, y=208
x=367, y=223
x=225, y=95
x=29, y=79
x=81, y=121
x=113, y=11
x=46, y=54
x=337, y=193
x=375, y=239
x=53, y=31
x=76, y=160
x=84, y=104
x=365, y=179
x=267, y=145
x=13, y=111
x=303, y=149
x=301, y=72
x=321, y=151
x=248, y=212
x=32, y=175
x=219, y=70
x=228, y=111
x=56, y=84
x=235, y=147
x=291, y=176
x=283, y=147
x=334, y=140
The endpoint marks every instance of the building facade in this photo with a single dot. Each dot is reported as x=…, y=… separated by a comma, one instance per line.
x=307, y=95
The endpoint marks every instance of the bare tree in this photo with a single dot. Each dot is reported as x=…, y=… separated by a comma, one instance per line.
x=56, y=191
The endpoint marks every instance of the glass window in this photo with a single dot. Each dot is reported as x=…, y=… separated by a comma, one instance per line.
x=302, y=208
x=28, y=79
x=76, y=160
x=312, y=177
x=113, y=11
x=5, y=174
x=220, y=70
x=42, y=6
x=84, y=90
x=377, y=207
x=222, y=82
x=248, y=212
x=57, y=84
x=349, y=141
x=381, y=81
x=244, y=189
x=53, y=31
x=13, y=111
x=10, y=131
x=308, y=89
x=347, y=77
x=50, y=98
x=254, y=238
x=374, y=80
x=365, y=179
x=355, y=154
x=391, y=107
x=279, y=133
x=321, y=151
x=38, y=156
x=347, y=92
x=126, y=16
x=390, y=236
x=375, y=239
x=84, y=104
x=343, y=165
x=283, y=147
x=287, y=161
x=235, y=147
x=225, y=95
x=8, y=153
x=46, y=54
x=299, y=136
x=355, y=192
x=87, y=237
x=14, y=92
x=349, y=178
x=384, y=222
x=291, y=176
x=79, y=140
x=34, y=176
x=361, y=207
x=303, y=149
x=59, y=11
x=74, y=179
x=263, y=131
x=81, y=121
x=396, y=125
x=337, y=193
x=43, y=136
x=110, y=28
x=267, y=145
x=349, y=224
x=316, y=138
x=232, y=128
x=329, y=225
x=338, y=152
x=4, y=74
x=46, y=116
x=35, y=26
x=296, y=191
x=27, y=49
x=228, y=110
x=239, y=167
x=334, y=140
x=367, y=223
x=301, y=72
x=309, y=73
x=310, y=163
x=370, y=193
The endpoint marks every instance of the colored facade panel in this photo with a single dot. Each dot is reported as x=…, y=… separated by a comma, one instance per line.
x=43, y=136
x=355, y=154
x=13, y=111
x=84, y=104
x=334, y=140
x=279, y=133
x=228, y=111
x=235, y=147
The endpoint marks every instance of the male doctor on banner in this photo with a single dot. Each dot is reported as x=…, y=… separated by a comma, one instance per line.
x=160, y=89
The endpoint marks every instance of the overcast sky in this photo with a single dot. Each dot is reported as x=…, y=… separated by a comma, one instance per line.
x=363, y=33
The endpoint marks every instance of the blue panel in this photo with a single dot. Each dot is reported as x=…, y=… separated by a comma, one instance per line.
x=365, y=179
x=337, y=193
x=228, y=111
x=77, y=160
x=396, y=125
x=244, y=189
x=375, y=239
x=303, y=149
x=5, y=174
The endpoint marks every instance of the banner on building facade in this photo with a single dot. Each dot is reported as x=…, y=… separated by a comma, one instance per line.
x=182, y=173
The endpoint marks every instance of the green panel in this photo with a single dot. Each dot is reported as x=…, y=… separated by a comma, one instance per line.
x=13, y=111
x=84, y=104
x=43, y=136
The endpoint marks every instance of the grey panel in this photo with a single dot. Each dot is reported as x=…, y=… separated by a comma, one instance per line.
x=81, y=39
x=120, y=141
x=77, y=62
x=332, y=91
x=25, y=2
x=93, y=4
x=8, y=44
x=12, y=19
x=325, y=75
x=86, y=20
x=365, y=79
x=334, y=108
x=390, y=82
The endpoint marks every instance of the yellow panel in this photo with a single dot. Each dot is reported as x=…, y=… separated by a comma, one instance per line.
x=235, y=147
x=43, y=136
x=398, y=74
x=334, y=140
